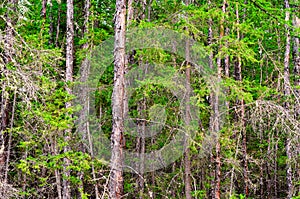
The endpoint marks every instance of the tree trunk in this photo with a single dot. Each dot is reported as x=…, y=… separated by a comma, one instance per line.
x=130, y=12
x=54, y=152
x=69, y=79
x=57, y=26
x=212, y=116
x=50, y=42
x=84, y=113
x=140, y=146
x=8, y=57
x=296, y=56
x=287, y=91
x=117, y=140
x=217, y=191
x=241, y=115
x=44, y=9
x=10, y=138
x=187, y=162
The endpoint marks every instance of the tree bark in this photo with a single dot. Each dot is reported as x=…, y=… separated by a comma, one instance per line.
x=212, y=116
x=8, y=57
x=287, y=92
x=187, y=162
x=130, y=12
x=117, y=140
x=10, y=138
x=57, y=26
x=241, y=115
x=140, y=146
x=44, y=9
x=83, y=127
x=217, y=188
x=296, y=56
x=50, y=42
x=69, y=79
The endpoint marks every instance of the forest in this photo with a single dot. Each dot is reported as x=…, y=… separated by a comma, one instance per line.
x=149, y=99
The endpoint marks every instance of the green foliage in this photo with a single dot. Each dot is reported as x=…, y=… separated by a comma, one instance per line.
x=36, y=75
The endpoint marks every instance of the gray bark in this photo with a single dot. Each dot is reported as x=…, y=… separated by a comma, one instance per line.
x=287, y=92
x=241, y=115
x=69, y=79
x=117, y=139
x=187, y=162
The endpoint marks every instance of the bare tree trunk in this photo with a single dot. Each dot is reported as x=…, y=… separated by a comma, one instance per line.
x=140, y=146
x=217, y=191
x=187, y=162
x=51, y=24
x=56, y=171
x=69, y=79
x=44, y=9
x=129, y=12
x=241, y=115
x=57, y=26
x=4, y=123
x=117, y=140
x=212, y=116
x=10, y=138
x=84, y=113
x=9, y=53
x=227, y=61
x=85, y=28
x=144, y=5
x=296, y=59
x=149, y=10
x=275, y=165
x=287, y=91
x=296, y=56
x=227, y=68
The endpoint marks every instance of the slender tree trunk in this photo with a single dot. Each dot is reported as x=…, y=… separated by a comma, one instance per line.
x=268, y=168
x=117, y=140
x=144, y=5
x=187, y=162
x=287, y=91
x=10, y=138
x=296, y=58
x=212, y=116
x=4, y=123
x=241, y=115
x=141, y=146
x=217, y=191
x=50, y=42
x=129, y=12
x=8, y=53
x=149, y=10
x=69, y=79
x=275, y=165
x=85, y=28
x=57, y=26
x=227, y=68
x=44, y=9
x=56, y=171
x=84, y=113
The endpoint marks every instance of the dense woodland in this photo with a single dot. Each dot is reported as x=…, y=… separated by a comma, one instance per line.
x=250, y=149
